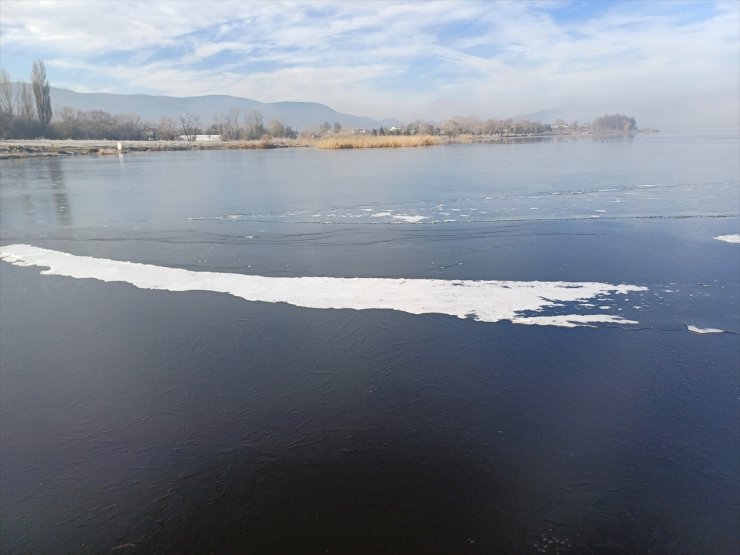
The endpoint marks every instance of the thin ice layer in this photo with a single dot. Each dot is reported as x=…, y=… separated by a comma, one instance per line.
x=487, y=301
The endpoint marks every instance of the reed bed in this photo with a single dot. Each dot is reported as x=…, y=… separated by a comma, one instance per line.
x=376, y=141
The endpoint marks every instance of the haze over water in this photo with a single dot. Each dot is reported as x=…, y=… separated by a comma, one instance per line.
x=194, y=421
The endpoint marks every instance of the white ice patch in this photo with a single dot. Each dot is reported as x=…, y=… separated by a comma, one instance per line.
x=694, y=329
x=487, y=301
x=734, y=238
x=410, y=219
x=572, y=320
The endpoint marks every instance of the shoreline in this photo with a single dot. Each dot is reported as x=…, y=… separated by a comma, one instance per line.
x=33, y=148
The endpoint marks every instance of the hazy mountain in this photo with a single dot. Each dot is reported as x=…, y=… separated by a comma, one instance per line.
x=299, y=115
x=543, y=116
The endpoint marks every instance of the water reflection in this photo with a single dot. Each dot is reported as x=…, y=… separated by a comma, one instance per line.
x=35, y=192
x=61, y=201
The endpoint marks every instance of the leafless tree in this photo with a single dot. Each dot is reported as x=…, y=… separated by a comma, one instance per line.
x=167, y=129
x=66, y=122
x=24, y=104
x=129, y=126
x=190, y=126
x=254, y=125
x=231, y=127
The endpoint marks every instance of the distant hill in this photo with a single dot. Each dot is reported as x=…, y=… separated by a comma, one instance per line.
x=544, y=116
x=299, y=115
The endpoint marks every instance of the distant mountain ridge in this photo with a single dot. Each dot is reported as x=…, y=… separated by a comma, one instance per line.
x=299, y=115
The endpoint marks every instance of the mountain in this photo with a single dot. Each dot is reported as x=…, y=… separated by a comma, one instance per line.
x=543, y=116
x=299, y=115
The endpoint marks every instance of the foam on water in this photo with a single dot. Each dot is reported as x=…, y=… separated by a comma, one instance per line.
x=486, y=301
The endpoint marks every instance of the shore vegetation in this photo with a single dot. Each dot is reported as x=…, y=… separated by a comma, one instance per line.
x=30, y=130
x=374, y=141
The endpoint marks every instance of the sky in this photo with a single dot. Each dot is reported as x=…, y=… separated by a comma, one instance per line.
x=666, y=63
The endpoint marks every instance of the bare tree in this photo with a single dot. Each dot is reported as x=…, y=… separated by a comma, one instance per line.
x=218, y=126
x=129, y=126
x=231, y=126
x=254, y=125
x=614, y=123
x=190, y=126
x=276, y=129
x=67, y=123
x=41, y=91
x=24, y=103
x=167, y=129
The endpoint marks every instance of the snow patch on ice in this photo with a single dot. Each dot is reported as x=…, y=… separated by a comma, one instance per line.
x=573, y=320
x=486, y=301
x=733, y=238
x=410, y=219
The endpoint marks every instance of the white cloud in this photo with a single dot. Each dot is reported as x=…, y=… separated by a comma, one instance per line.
x=394, y=59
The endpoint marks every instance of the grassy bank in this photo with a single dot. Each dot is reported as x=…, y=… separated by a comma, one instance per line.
x=375, y=141
x=43, y=147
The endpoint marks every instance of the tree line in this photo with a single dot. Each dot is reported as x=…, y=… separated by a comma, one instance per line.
x=26, y=113
x=451, y=128
x=613, y=123
x=25, y=108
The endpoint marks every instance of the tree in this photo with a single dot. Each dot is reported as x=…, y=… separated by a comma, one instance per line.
x=276, y=129
x=67, y=123
x=614, y=123
x=231, y=125
x=167, y=129
x=128, y=126
x=218, y=126
x=6, y=94
x=190, y=126
x=24, y=103
x=254, y=125
x=337, y=127
x=41, y=91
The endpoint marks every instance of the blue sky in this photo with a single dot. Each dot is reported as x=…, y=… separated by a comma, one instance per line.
x=667, y=63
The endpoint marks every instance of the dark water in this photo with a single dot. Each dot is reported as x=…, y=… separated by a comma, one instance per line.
x=139, y=421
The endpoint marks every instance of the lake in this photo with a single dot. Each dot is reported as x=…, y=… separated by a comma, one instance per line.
x=182, y=404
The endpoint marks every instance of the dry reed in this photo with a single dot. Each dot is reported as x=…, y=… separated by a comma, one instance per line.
x=375, y=141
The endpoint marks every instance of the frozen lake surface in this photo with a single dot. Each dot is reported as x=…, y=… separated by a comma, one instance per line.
x=318, y=351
